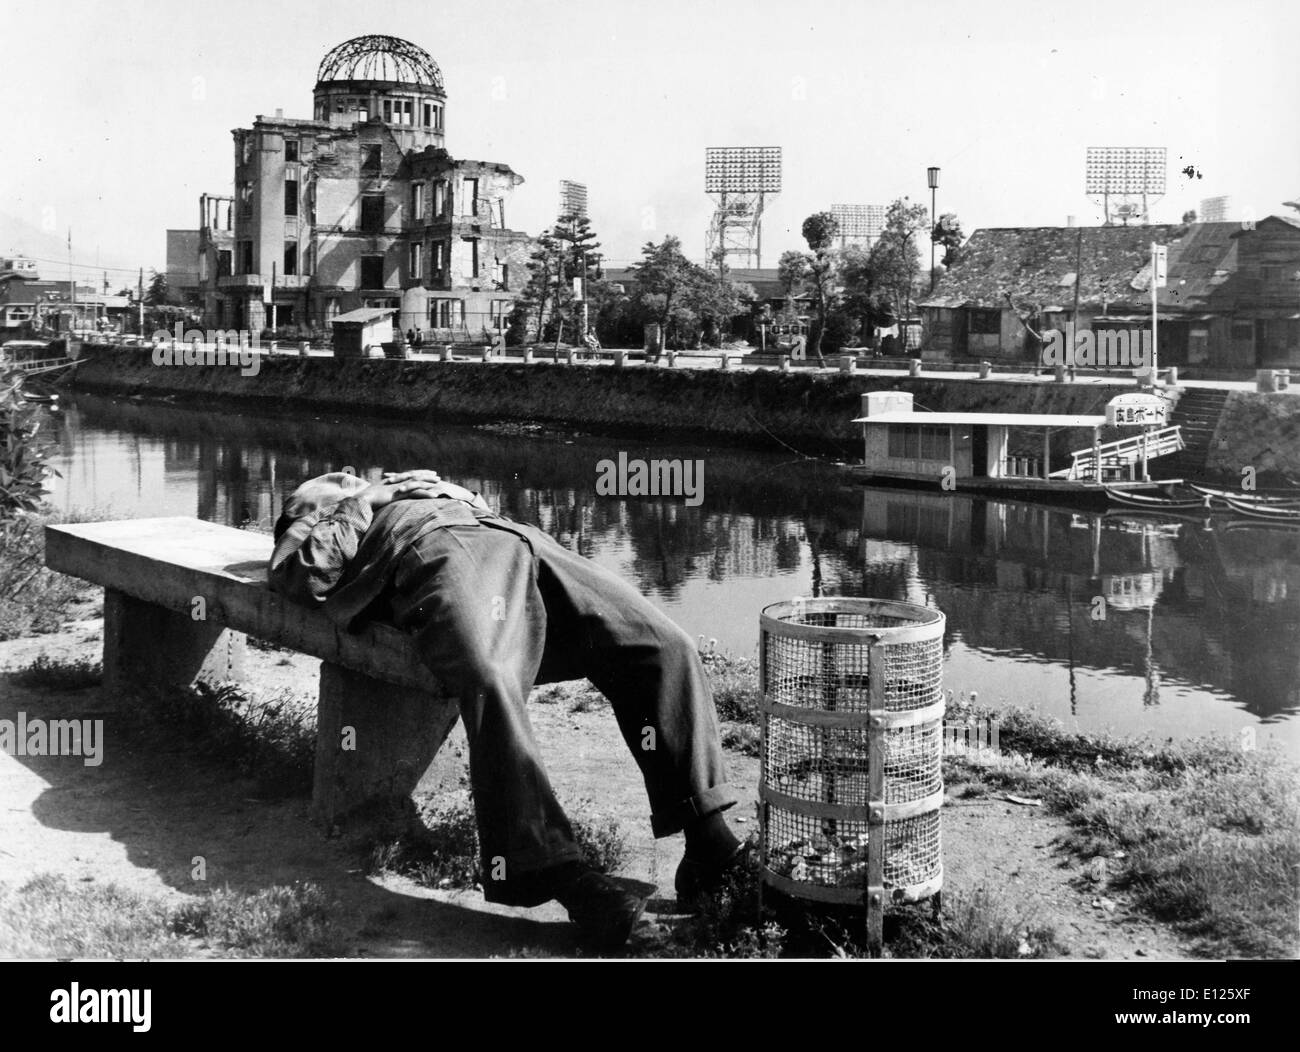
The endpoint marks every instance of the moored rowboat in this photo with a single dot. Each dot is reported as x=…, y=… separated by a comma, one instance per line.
x=1139, y=500
x=1223, y=497
x=1265, y=512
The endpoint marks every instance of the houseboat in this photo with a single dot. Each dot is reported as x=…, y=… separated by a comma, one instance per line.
x=1036, y=455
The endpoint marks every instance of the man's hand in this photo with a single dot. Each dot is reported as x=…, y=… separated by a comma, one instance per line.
x=381, y=494
x=421, y=475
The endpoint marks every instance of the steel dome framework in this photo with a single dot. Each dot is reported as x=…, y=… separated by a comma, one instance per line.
x=383, y=58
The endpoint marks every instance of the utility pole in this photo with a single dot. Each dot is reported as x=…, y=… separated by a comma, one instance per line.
x=72, y=284
x=1078, y=268
x=1159, y=257
x=140, y=300
x=584, y=294
x=932, y=177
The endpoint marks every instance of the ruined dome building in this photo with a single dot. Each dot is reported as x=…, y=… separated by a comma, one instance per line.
x=362, y=206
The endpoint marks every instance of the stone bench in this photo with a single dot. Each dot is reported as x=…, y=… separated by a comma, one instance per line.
x=180, y=597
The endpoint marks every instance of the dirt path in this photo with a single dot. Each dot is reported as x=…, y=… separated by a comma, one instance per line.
x=139, y=819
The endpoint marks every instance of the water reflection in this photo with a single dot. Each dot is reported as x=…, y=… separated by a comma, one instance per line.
x=1169, y=627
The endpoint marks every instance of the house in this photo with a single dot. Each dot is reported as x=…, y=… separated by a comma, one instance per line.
x=1231, y=301
x=30, y=303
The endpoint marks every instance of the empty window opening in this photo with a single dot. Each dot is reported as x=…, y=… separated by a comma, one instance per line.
x=372, y=213
x=372, y=272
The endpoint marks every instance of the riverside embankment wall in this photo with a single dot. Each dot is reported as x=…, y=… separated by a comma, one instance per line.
x=1259, y=430
x=810, y=412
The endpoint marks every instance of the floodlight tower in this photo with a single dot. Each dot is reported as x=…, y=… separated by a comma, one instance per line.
x=859, y=224
x=573, y=199
x=1126, y=178
x=573, y=206
x=1215, y=209
x=739, y=178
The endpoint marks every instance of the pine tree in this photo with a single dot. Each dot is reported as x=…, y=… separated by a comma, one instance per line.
x=156, y=294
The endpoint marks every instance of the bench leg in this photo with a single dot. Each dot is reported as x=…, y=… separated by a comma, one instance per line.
x=376, y=743
x=147, y=645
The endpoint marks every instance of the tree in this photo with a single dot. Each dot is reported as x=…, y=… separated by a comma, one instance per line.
x=820, y=230
x=544, y=295
x=581, y=258
x=863, y=292
x=897, y=256
x=947, y=233
x=156, y=294
x=716, y=300
x=792, y=272
x=1189, y=216
x=666, y=282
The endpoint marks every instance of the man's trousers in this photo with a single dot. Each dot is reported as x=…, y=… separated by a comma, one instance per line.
x=497, y=607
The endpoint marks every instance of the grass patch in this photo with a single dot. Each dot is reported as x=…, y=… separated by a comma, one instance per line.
x=48, y=673
x=1205, y=836
x=33, y=599
x=282, y=921
x=271, y=739
x=445, y=852
x=979, y=925
x=732, y=925
x=48, y=917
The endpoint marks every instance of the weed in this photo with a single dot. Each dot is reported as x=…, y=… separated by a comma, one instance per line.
x=735, y=686
x=33, y=599
x=272, y=739
x=48, y=673
x=445, y=852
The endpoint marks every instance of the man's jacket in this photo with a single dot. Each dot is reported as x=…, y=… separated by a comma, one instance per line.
x=332, y=550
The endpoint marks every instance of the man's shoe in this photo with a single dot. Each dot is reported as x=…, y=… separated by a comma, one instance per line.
x=696, y=881
x=605, y=909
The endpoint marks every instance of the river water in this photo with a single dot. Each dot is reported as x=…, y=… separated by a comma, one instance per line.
x=1166, y=628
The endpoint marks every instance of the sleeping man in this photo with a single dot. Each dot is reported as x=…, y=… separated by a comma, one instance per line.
x=493, y=606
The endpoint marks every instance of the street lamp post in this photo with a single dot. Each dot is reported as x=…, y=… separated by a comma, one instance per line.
x=932, y=178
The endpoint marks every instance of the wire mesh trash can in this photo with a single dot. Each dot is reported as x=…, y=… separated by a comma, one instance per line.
x=851, y=781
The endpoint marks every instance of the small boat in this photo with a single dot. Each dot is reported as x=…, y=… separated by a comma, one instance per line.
x=1265, y=512
x=1151, y=503
x=1224, y=496
x=1256, y=523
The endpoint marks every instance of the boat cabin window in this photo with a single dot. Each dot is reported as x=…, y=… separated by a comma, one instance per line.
x=919, y=442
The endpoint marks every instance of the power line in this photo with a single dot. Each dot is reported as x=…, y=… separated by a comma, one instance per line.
x=78, y=266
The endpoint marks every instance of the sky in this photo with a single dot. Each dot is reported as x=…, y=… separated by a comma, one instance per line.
x=120, y=113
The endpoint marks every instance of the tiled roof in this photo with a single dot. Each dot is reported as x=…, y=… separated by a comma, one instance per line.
x=1037, y=266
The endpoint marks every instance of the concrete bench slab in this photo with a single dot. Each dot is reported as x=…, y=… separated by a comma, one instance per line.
x=180, y=597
